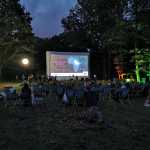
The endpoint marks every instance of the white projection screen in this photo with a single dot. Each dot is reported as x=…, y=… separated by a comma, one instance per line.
x=68, y=65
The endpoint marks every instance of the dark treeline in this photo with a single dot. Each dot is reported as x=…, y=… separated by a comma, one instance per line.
x=116, y=33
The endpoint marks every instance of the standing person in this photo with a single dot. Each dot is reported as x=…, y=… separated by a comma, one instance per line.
x=28, y=79
x=40, y=78
x=55, y=78
x=23, y=78
x=16, y=78
x=76, y=78
x=95, y=77
x=47, y=77
x=32, y=79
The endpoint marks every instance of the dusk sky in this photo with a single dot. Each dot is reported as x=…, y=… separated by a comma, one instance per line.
x=47, y=15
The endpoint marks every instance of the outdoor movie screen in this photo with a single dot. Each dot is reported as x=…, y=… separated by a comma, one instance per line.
x=68, y=65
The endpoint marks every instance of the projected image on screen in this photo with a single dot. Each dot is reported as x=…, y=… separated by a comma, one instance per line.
x=69, y=65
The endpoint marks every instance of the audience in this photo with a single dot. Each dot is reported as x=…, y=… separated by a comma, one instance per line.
x=26, y=89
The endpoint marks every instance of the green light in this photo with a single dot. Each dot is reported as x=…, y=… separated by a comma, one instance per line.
x=143, y=80
x=128, y=80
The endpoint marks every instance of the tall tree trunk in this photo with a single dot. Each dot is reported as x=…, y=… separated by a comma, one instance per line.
x=149, y=65
x=109, y=64
x=136, y=50
x=0, y=71
x=137, y=70
x=104, y=67
x=149, y=69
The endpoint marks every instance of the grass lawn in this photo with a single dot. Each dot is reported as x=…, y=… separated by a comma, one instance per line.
x=58, y=127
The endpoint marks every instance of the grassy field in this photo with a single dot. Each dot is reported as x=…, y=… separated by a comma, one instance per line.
x=58, y=127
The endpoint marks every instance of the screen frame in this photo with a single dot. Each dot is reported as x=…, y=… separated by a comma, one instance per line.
x=48, y=60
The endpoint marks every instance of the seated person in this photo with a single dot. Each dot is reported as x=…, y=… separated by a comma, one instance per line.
x=26, y=89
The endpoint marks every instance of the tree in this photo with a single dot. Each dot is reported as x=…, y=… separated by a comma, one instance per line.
x=15, y=32
x=91, y=23
x=139, y=17
x=110, y=27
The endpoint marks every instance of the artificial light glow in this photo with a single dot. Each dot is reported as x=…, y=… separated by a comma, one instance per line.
x=25, y=61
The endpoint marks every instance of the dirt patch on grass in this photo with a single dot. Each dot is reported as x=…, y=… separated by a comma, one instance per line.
x=6, y=84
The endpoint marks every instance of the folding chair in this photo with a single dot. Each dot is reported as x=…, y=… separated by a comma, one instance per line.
x=45, y=89
x=70, y=95
x=117, y=89
x=52, y=89
x=1, y=97
x=96, y=87
x=25, y=98
x=12, y=97
x=69, y=86
x=6, y=89
x=124, y=96
x=37, y=88
x=106, y=93
x=80, y=97
x=39, y=99
x=59, y=92
x=116, y=92
x=101, y=87
x=79, y=86
x=92, y=97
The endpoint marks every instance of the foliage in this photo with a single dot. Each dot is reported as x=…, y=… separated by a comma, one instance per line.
x=110, y=27
x=15, y=31
x=90, y=24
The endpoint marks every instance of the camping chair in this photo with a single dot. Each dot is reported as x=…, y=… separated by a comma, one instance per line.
x=92, y=97
x=39, y=99
x=124, y=96
x=69, y=86
x=6, y=89
x=1, y=97
x=131, y=83
x=80, y=97
x=70, y=95
x=97, y=87
x=25, y=98
x=79, y=86
x=141, y=91
x=52, y=88
x=117, y=89
x=46, y=89
x=116, y=92
x=59, y=92
x=136, y=91
x=12, y=97
x=101, y=87
x=37, y=88
x=106, y=93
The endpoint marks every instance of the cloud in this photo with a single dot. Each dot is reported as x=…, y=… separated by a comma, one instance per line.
x=47, y=15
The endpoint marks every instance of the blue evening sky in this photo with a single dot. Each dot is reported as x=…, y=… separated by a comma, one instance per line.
x=47, y=15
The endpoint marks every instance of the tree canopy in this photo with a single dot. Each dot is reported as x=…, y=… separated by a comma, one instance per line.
x=108, y=28
x=15, y=32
